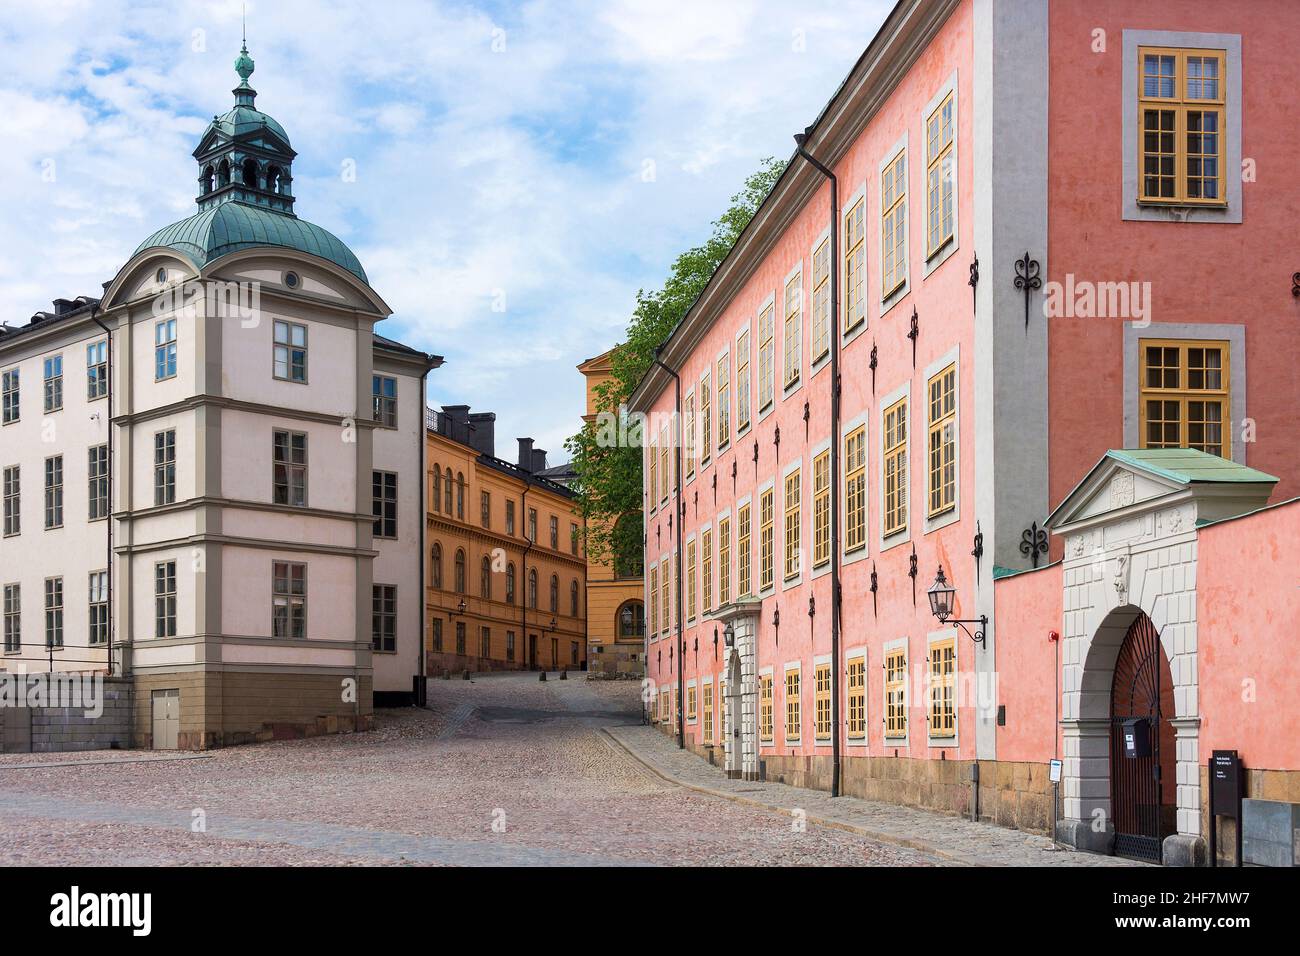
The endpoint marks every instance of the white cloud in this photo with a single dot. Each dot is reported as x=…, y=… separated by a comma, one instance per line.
x=477, y=171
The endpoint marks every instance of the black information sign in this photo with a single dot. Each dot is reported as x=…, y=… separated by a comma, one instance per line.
x=1225, y=783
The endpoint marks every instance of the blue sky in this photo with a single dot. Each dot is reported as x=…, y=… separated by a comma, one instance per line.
x=501, y=153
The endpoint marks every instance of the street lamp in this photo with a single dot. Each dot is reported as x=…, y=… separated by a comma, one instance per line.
x=941, y=595
x=729, y=635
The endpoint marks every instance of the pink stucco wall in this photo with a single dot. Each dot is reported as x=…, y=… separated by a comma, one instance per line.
x=943, y=302
x=1247, y=606
x=1028, y=611
x=1200, y=272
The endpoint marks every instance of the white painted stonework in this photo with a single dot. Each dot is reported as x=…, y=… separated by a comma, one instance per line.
x=740, y=700
x=1131, y=548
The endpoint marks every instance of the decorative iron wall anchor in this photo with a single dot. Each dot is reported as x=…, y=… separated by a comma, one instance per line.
x=873, y=364
x=756, y=459
x=807, y=414
x=776, y=626
x=974, y=281
x=733, y=477
x=1033, y=542
x=715, y=488
x=875, y=585
x=1295, y=284
x=911, y=573
x=812, y=606
x=715, y=643
x=978, y=551
x=1027, y=279
x=912, y=334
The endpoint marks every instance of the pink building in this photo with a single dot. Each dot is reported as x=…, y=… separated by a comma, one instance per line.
x=1045, y=272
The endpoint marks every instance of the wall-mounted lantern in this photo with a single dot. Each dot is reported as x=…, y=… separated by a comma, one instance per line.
x=942, y=596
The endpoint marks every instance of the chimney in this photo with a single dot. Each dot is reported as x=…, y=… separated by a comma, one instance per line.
x=483, y=433
x=457, y=419
x=525, y=454
x=539, y=460
x=63, y=306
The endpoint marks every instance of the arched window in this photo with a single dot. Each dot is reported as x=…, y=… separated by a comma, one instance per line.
x=460, y=496
x=437, y=489
x=555, y=593
x=573, y=599
x=631, y=621
x=435, y=566
x=532, y=589
x=460, y=571
x=450, y=490
x=485, y=579
x=223, y=174
x=250, y=173
x=208, y=176
x=274, y=180
x=510, y=584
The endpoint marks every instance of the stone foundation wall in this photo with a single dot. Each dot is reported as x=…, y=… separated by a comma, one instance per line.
x=616, y=660
x=436, y=662
x=227, y=708
x=64, y=729
x=1283, y=785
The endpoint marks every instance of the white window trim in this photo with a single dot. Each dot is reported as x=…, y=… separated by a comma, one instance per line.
x=888, y=302
x=849, y=557
x=953, y=358
x=753, y=568
x=815, y=572
x=892, y=743
x=758, y=414
x=735, y=382
x=904, y=536
x=941, y=255
x=933, y=638
x=690, y=686
x=778, y=572
x=785, y=730
x=795, y=273
x=852, y=654
x=687, y=447
x=848, y=335
x=825, y=236
x=720, y=447
x=778, y=520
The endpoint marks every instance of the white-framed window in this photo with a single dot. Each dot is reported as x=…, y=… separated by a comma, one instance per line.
x=821, y=300
x=289, y=468
x=164, y=599
x=383, y=390
x=766, y=356
x=164, y=467
x=53, y=392
x=53, y=613
x=383, y=598
x=13, y=615
x=855, y=265
x=54, y=491
x=10, y=393
x=742, y=381
x=96, y=370
x=724, y=401
x=792, y=342
x=288, y=600
x=289, y=352
x=383, y=505
x=97, y=603
x=164, y=349
x=97, y=482
x=893, y=224
x=12, y=500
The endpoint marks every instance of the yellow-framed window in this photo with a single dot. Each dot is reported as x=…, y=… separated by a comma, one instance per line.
x=821, y=509
x=855, y=488
x=724, y=561
x=793, y=713
x=742, y=381
x=708, y=713
x=1181, y=105
x=822, y=702
x=691, y=593
x=724, y=401
x=940, y=177
x=766, y=544
x=896, y=693
x=706, y=562
x=688, y=434
x=766, y=357
x=895, y=452
x=855, y=265
x=721, y=724
x=792, y=345
x=943, y=688
x=665, y=468
x=792, y=529
x=765, y=708
x=743, y=526
x=856, y=673
x=893, y=225
x=821, y=300
x=942, y=443
x=652, y=486
x=706, y=419
x=1184, y=400
x=665, y=588
x=690, y=702
x=654, y=599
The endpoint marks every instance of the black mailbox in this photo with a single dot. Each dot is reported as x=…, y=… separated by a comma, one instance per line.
x=1137, y=737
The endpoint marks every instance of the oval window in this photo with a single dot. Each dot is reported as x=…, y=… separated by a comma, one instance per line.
x=291, y=280
x=162, y=276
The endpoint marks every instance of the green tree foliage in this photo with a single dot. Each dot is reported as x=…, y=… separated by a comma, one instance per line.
x=608, y=472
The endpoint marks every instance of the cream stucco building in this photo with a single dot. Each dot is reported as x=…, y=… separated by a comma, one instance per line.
x=213, y=472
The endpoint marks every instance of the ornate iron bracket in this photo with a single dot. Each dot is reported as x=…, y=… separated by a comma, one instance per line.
x=974, y=281
x=1027, y=280
x=756, y=459
x=776, y=626
x=978, y=551
x=1033, y=542
x=715, y=643
x=776, y=439
x=875, y=584
x=733, y=477
x=715, y=488
x=911, y=573
x=1295, y=284
x=807, y=414
x=912, y=334
x=812, y=606
x=873, y=364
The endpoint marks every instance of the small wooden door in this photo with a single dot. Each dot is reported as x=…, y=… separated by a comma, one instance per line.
x=532, y=652
x=166, y=718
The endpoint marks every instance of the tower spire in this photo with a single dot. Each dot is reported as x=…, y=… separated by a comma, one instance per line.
x=244, y=93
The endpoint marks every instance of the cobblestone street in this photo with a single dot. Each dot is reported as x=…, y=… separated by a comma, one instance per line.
x=563, y=768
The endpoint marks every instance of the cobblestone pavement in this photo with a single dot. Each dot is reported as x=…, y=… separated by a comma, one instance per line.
x=953, y=839
x=425, y=788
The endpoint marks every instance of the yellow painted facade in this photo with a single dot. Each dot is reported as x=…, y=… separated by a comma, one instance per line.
x=615, y=605
x=505, y=573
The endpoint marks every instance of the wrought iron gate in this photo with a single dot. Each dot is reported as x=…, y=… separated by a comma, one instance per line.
x=1135, y=784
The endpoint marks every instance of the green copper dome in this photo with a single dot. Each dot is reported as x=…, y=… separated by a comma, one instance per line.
x=242, y=120
x=232, y=226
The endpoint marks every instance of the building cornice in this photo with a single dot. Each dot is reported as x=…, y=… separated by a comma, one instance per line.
x=906, y=32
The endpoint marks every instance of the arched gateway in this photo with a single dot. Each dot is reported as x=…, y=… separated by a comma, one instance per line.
x=1130, y=709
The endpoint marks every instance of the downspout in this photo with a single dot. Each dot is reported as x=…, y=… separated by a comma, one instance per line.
x=800, y=139
x=108, y=334
x=677, y=482
x=431, y=362
x=523, y=578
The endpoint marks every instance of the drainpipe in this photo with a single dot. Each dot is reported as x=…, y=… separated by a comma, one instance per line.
x=800, y=139
x=523, y=578
x=431, y=362
x=94, y=317
x=677, y=481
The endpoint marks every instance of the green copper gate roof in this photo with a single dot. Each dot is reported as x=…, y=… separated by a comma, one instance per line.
x=1187, y=465
x=235, y=225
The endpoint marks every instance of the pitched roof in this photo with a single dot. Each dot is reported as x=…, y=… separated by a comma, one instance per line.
x=1187, y=465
